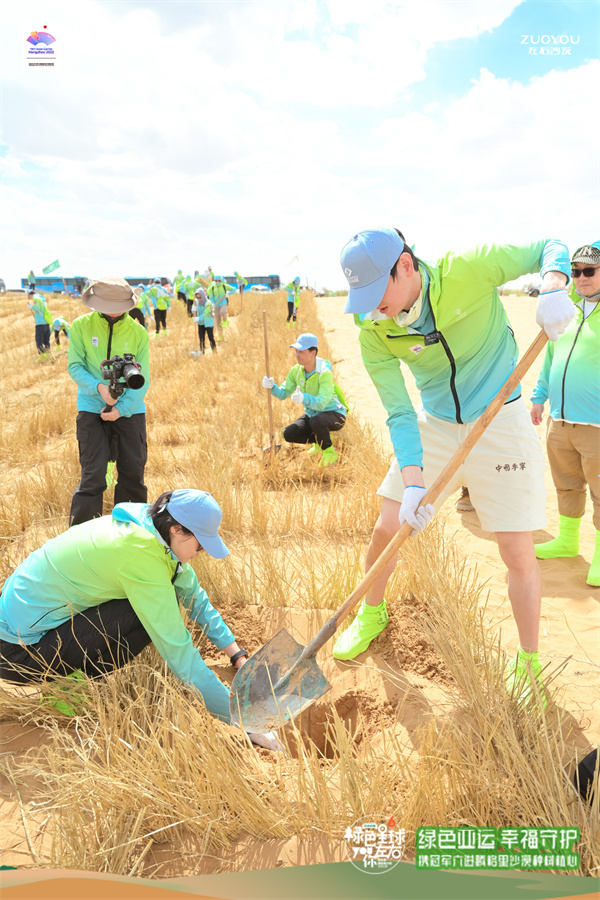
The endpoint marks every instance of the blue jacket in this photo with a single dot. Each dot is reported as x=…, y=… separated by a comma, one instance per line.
x=204, y=315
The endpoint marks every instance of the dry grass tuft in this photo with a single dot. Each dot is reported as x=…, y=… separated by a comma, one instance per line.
x=143, y=775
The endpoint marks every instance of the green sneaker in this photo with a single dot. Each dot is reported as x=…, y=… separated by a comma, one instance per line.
x=328, y=456
x=111, y=475
x=315, y=450
x=565, y=545
x=524, y=678
x=369, y=622
x=68, y=700
x=593, y=575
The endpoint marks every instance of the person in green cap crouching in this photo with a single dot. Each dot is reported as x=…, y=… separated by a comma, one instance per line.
x=310, y=383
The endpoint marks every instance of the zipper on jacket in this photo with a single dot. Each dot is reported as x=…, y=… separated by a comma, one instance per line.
x=452, y=362
x=564, y=378
x=110, y=333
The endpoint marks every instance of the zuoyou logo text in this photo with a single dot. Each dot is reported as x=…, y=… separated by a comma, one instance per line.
x=553, y=39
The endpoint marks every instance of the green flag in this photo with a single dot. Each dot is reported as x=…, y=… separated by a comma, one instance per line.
x=51, y=267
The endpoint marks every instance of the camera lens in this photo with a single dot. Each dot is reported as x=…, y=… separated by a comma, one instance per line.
x=133, y=377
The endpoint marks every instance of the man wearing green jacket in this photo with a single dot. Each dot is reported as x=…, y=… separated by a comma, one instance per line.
x=161, y=304
x=43, y=319
x=570, y=380
x=293, y=299
x=241, y=283
x=60, y=324
x=218, y=293
x=447, y=323
x=310, y=384
x=106, y=424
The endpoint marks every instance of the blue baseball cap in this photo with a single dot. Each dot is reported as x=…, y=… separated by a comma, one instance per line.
x=297, y=280
x=367, y=261
x=305, y=341
x=200, y=513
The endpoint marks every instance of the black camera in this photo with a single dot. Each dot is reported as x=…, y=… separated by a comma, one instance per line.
x=121, y=372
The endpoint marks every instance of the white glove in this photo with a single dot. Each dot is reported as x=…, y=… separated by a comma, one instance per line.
x=197, y=319
x=555, y=310
x=268, y=382
x=269, y=741
x=297, y=396
x=193, y=307
x=411, y=512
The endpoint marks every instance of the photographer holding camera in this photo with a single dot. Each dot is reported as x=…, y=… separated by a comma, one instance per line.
x=108, y=358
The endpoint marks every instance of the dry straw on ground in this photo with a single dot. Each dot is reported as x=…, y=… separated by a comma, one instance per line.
x=143, y=782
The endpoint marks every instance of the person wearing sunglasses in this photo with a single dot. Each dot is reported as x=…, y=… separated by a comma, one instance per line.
x=570, y=380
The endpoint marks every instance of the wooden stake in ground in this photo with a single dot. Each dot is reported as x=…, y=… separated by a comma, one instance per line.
x=273, y=447
x=283, y=678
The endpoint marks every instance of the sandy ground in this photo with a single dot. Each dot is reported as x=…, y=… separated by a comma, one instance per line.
x=398, y=673
x=570, y=622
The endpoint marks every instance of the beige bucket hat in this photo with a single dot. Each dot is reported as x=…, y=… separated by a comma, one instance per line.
x=110, y=294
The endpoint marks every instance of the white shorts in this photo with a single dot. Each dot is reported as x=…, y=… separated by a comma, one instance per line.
x=504, y=471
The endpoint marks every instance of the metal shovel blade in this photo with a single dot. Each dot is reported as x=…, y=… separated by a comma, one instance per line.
x=272, y=448
x=265, y=694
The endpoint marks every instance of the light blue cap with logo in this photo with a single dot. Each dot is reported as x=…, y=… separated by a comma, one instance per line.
x=200, y=513
x=366, y=262
x=306, y=341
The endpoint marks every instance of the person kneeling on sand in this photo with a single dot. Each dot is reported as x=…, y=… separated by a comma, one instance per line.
x=447, y=323
x=570, y=380
x=310, y=384
x=88, y=601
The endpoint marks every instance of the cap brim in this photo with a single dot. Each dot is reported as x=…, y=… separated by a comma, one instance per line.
x=113, y=307
x=213, y=545
x=364, y=299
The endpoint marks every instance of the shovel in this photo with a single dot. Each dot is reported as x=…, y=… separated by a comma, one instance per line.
x=273, y=447
x=283, y=678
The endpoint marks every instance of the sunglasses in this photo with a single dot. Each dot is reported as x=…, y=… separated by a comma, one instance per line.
x=588, y=272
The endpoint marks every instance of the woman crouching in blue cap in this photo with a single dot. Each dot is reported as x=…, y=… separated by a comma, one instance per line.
x=89, y=600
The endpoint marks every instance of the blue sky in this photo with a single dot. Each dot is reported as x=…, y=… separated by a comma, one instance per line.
x=242, y=134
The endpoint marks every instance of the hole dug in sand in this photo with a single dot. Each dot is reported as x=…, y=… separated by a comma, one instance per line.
x=357, y=710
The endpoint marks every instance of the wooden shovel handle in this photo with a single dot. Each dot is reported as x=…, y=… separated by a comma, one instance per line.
x=445, y=475
x=269, y=402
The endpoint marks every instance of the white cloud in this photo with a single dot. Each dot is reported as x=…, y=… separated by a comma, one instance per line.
x=237, y=135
